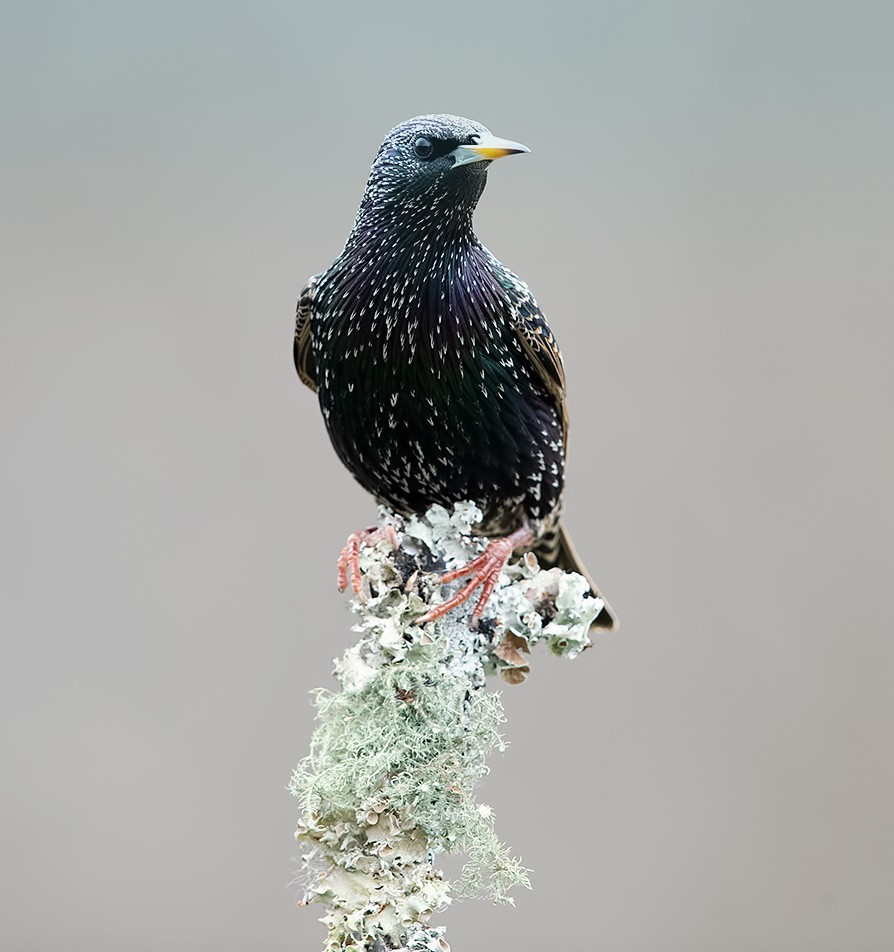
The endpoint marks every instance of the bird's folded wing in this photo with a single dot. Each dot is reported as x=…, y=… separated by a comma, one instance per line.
x=303, y=347
x=539, y=344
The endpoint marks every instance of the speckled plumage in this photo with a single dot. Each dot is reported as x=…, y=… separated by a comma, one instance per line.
x=437, y=374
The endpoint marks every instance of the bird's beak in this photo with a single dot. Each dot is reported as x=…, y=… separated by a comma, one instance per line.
x=486, y=149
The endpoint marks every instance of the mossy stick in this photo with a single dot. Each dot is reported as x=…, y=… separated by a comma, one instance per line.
x=390, y=779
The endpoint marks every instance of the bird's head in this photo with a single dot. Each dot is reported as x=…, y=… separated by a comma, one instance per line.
x=433, y=166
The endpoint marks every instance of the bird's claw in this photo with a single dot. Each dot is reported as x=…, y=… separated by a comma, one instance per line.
x=350, y=554
x=484, y=570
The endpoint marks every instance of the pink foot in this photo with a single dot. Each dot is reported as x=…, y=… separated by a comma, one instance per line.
x=485, y=570
x=350, y=554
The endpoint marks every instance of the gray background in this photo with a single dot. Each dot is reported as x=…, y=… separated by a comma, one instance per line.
x=705, y=217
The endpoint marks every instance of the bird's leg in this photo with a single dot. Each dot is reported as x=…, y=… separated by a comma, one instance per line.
x=484, y=570
x=350, y=554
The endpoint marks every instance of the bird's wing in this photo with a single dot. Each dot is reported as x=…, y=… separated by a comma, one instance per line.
x=303, y=348
x=539, y=344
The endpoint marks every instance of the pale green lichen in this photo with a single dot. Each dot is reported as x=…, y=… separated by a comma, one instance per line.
x=389, y=781
x=411, y=742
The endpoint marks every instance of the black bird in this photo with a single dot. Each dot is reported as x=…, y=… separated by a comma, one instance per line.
x=437, y=374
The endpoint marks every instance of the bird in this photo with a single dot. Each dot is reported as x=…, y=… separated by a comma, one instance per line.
x=437, y=374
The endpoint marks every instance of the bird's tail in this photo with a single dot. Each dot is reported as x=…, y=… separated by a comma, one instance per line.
x=557, y=549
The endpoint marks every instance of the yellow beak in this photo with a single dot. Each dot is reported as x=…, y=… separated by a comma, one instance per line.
x=486, y=149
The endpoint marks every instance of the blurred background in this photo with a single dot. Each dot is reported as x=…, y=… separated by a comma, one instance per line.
x=706, y=219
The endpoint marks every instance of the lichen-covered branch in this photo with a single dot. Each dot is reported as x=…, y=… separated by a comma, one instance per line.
x=390, y=778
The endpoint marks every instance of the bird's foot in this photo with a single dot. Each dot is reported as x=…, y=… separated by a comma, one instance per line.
x=484, y=570
x=350, y=554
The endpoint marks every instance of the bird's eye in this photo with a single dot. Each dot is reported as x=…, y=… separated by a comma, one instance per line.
x=423, y=147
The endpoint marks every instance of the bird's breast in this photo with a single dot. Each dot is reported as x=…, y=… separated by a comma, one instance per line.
x=428, y=395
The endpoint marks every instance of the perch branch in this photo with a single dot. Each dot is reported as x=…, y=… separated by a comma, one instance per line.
x=389, y=781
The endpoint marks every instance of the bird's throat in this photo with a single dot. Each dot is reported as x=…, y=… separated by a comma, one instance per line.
x=410, y=306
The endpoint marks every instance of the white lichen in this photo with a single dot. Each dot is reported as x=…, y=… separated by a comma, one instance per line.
x=389, y=781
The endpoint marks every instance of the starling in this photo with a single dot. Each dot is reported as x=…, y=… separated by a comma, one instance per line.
x=437, y=374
